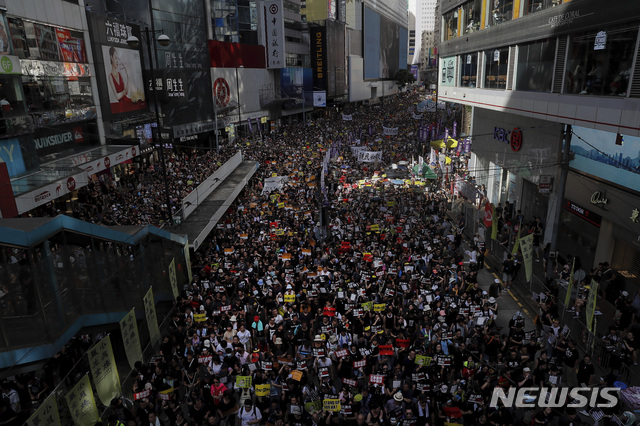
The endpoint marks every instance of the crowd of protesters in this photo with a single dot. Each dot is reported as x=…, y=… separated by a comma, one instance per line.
x=357, y=305
x=138, y=197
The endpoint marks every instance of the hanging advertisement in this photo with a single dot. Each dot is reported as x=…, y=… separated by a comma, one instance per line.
x=271, y=26
x=11, y=155
x=296, y=83
x=319, y=56
x=319, y=98
x=118, y=67
x=71, y=45
x=32, y=199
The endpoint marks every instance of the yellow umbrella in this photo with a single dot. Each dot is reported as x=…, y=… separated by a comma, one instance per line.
x=447, y=160
x=452, y=143
x=439, y=144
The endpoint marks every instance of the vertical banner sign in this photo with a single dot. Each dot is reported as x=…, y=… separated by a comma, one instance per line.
x=517, y=244
x=272, y=28
x=591, y=304
x=81, y=404
x=173, y=278
x=131, y=338
x=150, y=315
x=526, y=247
x=104, y=371
x=187, y=259
x=494, y=224
x=319, y=58
x=47, y=413
x=567, y=298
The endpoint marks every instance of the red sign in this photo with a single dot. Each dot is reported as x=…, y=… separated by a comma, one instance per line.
x=516, y=139
x=107, y=162
x=386, y=349
x=488, y=215
x=341, y=353
x=403, y=343
x=140, y=395
x=77, y=134
x=221, y=92
x=329, y=312
x=359, y=364
x=71, y=184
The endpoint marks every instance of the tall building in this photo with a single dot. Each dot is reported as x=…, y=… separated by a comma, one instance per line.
x=425, y=19
x=541, y=74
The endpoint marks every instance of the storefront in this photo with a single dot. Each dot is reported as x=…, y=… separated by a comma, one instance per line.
x=511, y=154
x=600, y=222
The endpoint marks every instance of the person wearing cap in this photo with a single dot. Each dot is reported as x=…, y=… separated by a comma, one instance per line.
x=395, y=406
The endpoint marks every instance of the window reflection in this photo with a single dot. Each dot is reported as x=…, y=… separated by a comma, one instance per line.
x=472, y=12
x=502, y=11
x=535, y=66
x=451, y=25
x=600, y=62
x=469, y=69
x=496, y=63
x=532, y=6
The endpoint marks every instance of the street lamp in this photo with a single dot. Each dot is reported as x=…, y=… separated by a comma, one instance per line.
x=163, y=40
x=238, y=91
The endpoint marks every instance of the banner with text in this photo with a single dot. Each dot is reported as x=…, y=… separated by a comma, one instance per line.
x=104, y=371
x=82, y=405
x=369, y=156
x=131, y=338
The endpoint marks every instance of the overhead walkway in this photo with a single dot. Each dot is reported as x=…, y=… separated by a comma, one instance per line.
x=58, y=275
x=209, y=209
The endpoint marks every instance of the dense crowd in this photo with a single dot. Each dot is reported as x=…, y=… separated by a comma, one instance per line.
x=376, y=319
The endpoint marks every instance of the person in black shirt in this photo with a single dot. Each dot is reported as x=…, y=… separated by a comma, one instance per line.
x=585, y=371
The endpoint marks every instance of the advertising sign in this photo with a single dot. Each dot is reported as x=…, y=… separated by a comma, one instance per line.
x=319, y=57
x=296, y=83
x=32, y=199
x=272, y=32
x=319, y=98
x=448, y=68
x=118, y=67
x=385, y=45
x=57, y=139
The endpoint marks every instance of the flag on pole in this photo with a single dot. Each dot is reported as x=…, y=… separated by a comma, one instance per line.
x=591, y=304
x=517, y=244
x=494, y=224
x=567, y=298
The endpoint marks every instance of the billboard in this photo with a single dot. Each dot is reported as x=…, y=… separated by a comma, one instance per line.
x=385, y=46
x=124, y=79
x=319, y=57
x=272, y=32
x=256, y=92
x=597, y=154
x=118, y=67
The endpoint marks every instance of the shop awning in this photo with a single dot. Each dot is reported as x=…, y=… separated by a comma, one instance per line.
x=63, y=176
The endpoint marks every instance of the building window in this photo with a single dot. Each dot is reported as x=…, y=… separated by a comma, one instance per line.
x=535, y=66
x=502, y=11
x=469, y=70
x=472, y=13
x=451, y=25
x=600, y=62
x=495, y=70
x=532, y=6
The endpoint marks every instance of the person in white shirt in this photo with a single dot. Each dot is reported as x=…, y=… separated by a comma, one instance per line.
x=244, y=336
x=249, y=414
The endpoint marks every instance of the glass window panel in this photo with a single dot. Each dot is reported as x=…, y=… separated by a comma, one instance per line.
x=496, y=64
x=535, y=66
x=502, y=11
x=451, y=25
x=468, y=70
x=472, y=13
x=600, y=62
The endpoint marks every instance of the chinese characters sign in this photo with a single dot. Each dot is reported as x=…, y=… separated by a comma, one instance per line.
x=81, y=403
x=150, y=315
x=130, y=338
x=104, y=371
x=272, y=32
x=173, y=278
x=47, y=413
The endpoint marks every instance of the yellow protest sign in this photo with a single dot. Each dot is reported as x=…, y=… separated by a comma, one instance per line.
x=367, y=306
x=391, y=203
x=379, y=307
x=199, y=317
x=104, y=370
x=173, y=280
x=375, y=227
x=296, y=375
x=274, y=174
x=313, y=406
x=423, y=360
x=331, y=405
x=150, y=314
x=263, y=120
x=286, y=256
x=131, y=338
x=47, y=413
x=279, y=232
x=280, y=205
x=81, y=404
x=243, y=382
x=263, y=390
x=289, y=298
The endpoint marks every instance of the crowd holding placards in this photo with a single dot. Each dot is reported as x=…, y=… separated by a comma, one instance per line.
x=375, y=319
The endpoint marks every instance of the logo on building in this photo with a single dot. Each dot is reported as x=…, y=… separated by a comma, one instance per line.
x=77, y=134
x=598, y=198
x=107, y=162
x=6, y=64
x=273, y=9
x=513, y=137
x=42, y=196
x=71, y=184
x=221, y=93
x=133, y=151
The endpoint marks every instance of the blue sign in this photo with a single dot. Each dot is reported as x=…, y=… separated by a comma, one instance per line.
x=11, y=153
